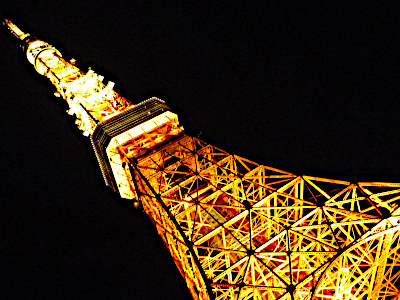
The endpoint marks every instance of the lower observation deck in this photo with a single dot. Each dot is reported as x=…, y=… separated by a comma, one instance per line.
x=128, y=135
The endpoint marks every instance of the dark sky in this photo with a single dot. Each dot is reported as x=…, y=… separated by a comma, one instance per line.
x=310, y=90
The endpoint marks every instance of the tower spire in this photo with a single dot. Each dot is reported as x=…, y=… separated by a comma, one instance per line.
x=15, y=30
x=89, y=99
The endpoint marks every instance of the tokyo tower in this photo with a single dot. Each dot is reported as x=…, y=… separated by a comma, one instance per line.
x=235, y=229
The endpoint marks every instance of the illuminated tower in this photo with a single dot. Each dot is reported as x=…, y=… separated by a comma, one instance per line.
x=235, y=229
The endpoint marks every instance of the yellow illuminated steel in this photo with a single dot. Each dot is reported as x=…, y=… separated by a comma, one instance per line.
x=262, y=233
x=237, y=229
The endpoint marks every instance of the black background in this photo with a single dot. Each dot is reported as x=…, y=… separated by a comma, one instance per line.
x=310, y=90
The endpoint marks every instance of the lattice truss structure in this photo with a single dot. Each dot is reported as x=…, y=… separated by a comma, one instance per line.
x=235, y=229
x=240, y=230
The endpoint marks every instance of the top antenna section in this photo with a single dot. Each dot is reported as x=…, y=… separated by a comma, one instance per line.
x=15, y=30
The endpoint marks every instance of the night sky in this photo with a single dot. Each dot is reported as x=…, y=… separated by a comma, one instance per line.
x=310, y=90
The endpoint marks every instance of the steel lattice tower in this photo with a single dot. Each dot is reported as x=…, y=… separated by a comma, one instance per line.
x=235, y=229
